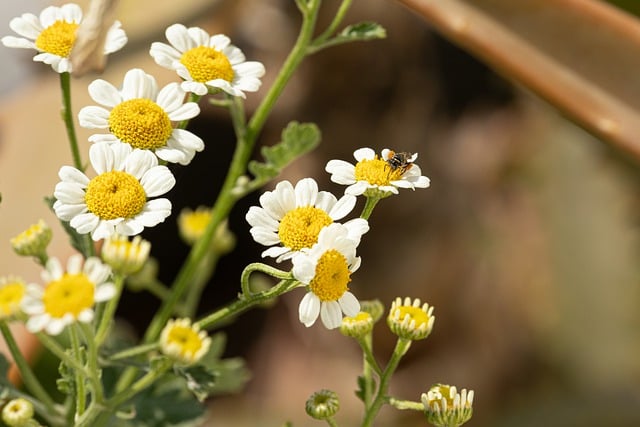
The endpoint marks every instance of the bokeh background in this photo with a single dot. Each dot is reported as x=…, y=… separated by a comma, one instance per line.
x=526, y=243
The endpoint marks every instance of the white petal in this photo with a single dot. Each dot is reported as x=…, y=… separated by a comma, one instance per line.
x=184, y=112
x=199, y=36
x=258, y=217
x=37, y=323
x=178, y=36
x=341, y=172
x=104, y=93
x=67, y=211
x=71, y=12
x=219, y=42
x=325, y=201
x=343, y=207
x=85, y=316
x=304, y=268
x=364, y=154
x=27, y=25
x=102, y=158
x=164, y=55
x=138, y=84
x=116, y=38
x=275, y=252
x=309, y=309
x=74, y=264
x=105, y=292
x=103, y=230
x=71, y=174
x=154, y=212
x=188, y=140
x=170, y=97
x=18, y=42
x=306, y=192
x=157, y=181
x=331, y=314
x=357, y=188
x=139, y=162
x=54, y=270
x=104, y=137
x=195, y=87
x=250, y=69
x=264, y=237
x=55, y=326
x=356, y=228
x=85, y=223
x=93, y=117
x=349, y=304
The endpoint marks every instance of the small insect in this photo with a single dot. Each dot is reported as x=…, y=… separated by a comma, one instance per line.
x=402, y=160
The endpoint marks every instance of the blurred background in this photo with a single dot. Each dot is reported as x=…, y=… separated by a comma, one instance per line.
x=526, y=242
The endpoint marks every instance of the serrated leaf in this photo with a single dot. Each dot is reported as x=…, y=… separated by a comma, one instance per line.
x=199, y=381
x=297, y=140
x=362, y=31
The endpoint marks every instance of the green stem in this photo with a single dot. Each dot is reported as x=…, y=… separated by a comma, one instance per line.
x=81, y=394
x=92, y=363
x=402, y=345
x=145, y=381
x=104, y=321
x=331, y=422
x=406, y=404
x=369, y=365
x=244, y=148
x=67, y=116
x=133, y=352
x=371, y=203
x=243, y=304
x=198, y=283
x=59, y=352
x=266, y=269
x=333, y=26
x=28, y=377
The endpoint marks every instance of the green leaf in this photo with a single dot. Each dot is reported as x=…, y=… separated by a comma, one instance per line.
x=361, y=31
x=297, y=140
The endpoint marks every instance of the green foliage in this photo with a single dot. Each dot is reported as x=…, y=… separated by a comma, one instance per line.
x=297, y=140
x=360, y=32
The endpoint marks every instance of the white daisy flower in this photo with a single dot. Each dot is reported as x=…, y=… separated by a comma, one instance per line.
x=53, y=34
x=67, y=296
x=117, y=199
x=141, y=115
x=293, y=217
x=207, y=62
x=385, y=173
x=326, y=269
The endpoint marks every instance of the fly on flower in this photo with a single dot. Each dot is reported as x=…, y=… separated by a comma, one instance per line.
x=401, y=161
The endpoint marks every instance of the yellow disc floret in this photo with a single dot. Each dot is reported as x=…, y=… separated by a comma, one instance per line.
x=71, y=294
x=140, y=123
x=184, y=342
x=58, y=38
x=115, y=194
x=205, y=64
x=300, y=227
x=11, y=294
x=332, y=276
x=376, y=172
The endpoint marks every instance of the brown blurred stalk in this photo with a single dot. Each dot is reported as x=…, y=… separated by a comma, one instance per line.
x=582, y=56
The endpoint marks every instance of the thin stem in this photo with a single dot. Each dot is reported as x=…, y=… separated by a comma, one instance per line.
x=145, y=381
x=266, y=269
x=331, y=422
x=402, y=345
x=333, y=26
x=109, y=311
x=134, y=351
x=59, y=352
x=406, y=404
x=92, y=363
x=368, y=366
x=198, y=283
x=81, y=394
x=371, y=203
x=67, y=116
x=240, y=305
x=28, y=377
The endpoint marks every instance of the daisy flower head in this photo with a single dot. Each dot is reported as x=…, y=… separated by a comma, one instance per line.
x=293, y=217
x=141, y=115
x=67, y=296
x=444, y=406
x=207, y=63
x=385, y=173
x=326, y=270
x=117, y=199
x=53, y=35
x=12, y=291
x=184, y=342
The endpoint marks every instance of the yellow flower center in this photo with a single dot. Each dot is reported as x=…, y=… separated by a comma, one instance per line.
x=115, y=194
x=332, y=276
x=58, y=38
x=71, y=294
x=186, y=338
x=205, y=64
x=193, y=224
x=436, y=394
x=140, y=123
x=416, y=314
x=376, y=172
x=300, y=227
x=10, y=297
